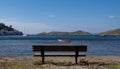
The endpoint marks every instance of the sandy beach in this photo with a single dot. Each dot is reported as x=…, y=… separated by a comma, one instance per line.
x=30, y=62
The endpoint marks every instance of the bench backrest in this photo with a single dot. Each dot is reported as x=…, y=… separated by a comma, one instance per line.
x=46, y=47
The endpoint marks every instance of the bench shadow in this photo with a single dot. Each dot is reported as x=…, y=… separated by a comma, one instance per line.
x=57, y=63
x=61, y=63
x=84, y=63
x=67, y=63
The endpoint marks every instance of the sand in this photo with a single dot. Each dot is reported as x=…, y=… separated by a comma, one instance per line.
x=30, y=62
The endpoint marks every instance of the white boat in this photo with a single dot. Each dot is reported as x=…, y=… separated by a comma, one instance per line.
x=64, y=40
x=24, y=35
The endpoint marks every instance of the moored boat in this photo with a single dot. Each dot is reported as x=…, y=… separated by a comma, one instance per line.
x=64, y=40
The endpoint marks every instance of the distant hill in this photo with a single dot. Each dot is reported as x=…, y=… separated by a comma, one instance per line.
x=112, y=32
x=79, y=32
x=8, y=30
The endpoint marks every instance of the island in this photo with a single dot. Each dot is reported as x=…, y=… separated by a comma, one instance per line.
x=8, y=30
x=111, y=32
x=79, y=32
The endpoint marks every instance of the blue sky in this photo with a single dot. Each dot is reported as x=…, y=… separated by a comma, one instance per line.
x=35, y=16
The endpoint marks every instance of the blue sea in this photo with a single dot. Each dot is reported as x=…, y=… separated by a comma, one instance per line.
x=98, y=45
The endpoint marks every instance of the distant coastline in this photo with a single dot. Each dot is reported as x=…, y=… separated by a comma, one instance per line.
x=8, y=30
x=111, y=32
x=79, y=32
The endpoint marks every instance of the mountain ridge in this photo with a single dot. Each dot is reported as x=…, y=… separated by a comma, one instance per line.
x=79, y=32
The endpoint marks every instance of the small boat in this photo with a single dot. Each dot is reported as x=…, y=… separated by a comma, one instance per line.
x=64, y=40
x=25, y=35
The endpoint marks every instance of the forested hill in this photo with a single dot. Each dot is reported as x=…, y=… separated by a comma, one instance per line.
x=8, y=30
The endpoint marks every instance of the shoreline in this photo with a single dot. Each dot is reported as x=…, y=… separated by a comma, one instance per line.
x=31, y=62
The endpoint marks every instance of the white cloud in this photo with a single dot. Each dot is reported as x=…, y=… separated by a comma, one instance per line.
x=111, y=17
x=2, y=20
x=29, y=28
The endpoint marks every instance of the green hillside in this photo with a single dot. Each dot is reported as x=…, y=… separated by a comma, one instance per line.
x=79, y=32
x=112, y=32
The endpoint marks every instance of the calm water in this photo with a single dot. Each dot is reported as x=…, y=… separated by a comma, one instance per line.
x=97, y=45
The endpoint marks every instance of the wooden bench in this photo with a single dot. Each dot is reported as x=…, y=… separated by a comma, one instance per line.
x=41, y=48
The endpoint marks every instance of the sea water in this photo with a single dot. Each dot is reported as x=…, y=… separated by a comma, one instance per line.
x=97, y=45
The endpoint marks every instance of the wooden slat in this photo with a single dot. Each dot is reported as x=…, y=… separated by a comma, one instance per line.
x=60, y=55
x=82, y=48
x=58, y=45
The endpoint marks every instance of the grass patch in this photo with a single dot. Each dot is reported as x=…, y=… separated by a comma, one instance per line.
x=38, y=63
x=14, y=65
x=83, y=62
x=112, y=66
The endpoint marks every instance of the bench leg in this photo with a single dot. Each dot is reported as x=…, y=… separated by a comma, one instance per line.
x=76, y=59
x=76, y=55
x=43, y=59
x=42, y=53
